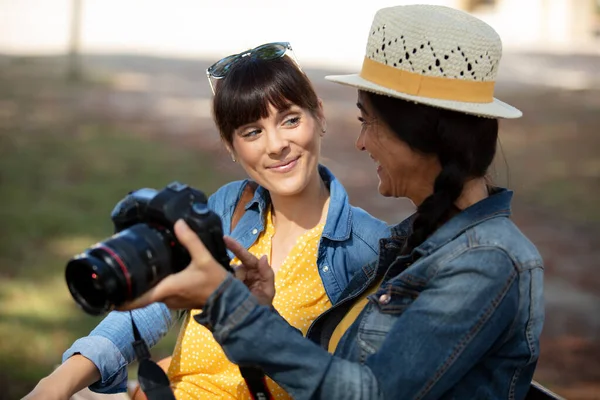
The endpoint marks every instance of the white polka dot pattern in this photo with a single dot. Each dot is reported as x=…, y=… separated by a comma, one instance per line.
x=199, y=368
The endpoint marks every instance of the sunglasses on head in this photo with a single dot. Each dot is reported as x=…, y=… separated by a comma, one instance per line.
x=268, y=51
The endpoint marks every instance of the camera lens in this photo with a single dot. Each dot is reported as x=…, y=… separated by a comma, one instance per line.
x=120, y=268
x=87, y=279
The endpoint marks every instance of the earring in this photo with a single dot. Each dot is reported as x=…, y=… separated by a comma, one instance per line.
x=233, y=158
x=323, y=130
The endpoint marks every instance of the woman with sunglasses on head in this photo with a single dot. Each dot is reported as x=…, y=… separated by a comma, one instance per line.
x=297, y=218
x=452, y=308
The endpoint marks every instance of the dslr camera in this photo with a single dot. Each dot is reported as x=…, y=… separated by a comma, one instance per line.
x=144, y=248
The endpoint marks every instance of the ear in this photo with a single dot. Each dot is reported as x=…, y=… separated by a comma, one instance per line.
x=231, y=151
x=321, y=118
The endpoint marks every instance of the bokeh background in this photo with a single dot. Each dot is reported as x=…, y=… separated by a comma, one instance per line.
x=99, y=97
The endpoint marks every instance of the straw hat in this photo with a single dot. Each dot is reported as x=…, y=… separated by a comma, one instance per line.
x=433, y=55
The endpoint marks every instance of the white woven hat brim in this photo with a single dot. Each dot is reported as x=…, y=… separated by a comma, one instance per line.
x=495, y=109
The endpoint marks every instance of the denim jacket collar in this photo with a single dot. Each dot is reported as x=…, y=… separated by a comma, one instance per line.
x=496, y=205
x=338, y=225
x=261, y=198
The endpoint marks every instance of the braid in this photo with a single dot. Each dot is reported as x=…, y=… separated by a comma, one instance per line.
x=437, y=208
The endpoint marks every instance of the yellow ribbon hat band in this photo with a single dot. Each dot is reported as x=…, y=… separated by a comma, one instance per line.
x=427, y=86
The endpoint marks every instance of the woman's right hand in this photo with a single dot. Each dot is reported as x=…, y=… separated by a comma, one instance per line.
x=256, y=273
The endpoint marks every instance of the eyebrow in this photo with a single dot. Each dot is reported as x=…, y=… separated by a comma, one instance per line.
x=287, y=109
x=361, y=108
x=279, y=116
x=283, y=113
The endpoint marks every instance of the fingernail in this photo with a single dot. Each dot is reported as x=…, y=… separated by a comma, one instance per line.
x=181, y=223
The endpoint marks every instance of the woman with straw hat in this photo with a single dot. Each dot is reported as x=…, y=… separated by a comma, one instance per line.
x=453, y=305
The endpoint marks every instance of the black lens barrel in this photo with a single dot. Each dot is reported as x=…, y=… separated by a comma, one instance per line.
x=120, y=268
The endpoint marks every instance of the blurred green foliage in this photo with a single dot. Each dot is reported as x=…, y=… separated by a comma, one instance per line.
x=57, y=192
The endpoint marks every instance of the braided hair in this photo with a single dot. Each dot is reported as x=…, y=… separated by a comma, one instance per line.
x=464, y=144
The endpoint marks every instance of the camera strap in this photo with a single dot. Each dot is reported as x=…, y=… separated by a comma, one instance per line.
x=155, y=383
x=153, y=380
x=256, y=382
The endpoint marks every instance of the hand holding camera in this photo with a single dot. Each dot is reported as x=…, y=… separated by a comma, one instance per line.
x=191, y=287
x=168, y=247
x=146, y=248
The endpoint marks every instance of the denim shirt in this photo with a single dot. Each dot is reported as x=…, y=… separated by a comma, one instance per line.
x=349, y=240
x=458, y=318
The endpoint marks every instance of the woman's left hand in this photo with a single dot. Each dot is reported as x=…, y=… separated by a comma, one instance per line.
x=256, y=273
x=191, y=287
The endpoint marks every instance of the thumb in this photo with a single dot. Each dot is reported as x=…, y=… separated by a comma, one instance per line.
x=190, y=240
x=240, y=272
x=263, y=265
x=265, y=270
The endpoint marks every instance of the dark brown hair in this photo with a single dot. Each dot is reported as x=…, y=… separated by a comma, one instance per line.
x=464, y=144
x=244, y=94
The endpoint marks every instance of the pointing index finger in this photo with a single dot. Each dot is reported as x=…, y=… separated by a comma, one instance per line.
x=245, y=257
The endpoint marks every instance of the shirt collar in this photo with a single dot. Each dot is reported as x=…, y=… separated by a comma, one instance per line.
x=497, y=204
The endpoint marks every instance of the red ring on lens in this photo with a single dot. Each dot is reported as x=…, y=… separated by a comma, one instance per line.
x=121, y=265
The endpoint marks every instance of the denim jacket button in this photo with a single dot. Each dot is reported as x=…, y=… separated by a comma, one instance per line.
x=384, y=299
x=254, y=231
x=325, y=268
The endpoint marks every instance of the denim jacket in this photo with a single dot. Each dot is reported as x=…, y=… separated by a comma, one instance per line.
x=349, y=240
x=458, y=318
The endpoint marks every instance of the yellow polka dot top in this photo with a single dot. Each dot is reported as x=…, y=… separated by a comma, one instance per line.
x=199, y=368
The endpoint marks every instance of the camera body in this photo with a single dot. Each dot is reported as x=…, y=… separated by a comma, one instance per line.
x=144, y=248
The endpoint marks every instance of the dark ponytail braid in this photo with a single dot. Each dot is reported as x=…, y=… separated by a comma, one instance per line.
x=439, y=206
x=464, y=144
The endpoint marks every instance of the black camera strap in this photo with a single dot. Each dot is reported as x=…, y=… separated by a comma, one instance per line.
x=155, y=383
x=256, y=382
x=153, y=380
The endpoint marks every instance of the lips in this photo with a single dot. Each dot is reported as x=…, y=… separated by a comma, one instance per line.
x=284, y=166
x=376, y=162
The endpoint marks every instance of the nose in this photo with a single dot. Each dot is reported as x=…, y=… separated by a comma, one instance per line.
x=276, y=142
x=360, y=141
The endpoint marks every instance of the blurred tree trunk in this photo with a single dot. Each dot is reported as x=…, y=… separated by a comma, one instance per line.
x=74, y=73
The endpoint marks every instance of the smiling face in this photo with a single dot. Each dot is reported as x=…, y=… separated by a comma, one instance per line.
x=402, y=171
x=280, y=152
x=271, y=120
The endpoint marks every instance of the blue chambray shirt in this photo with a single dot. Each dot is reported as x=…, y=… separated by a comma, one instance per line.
x=458, y=318
x=350, y=239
